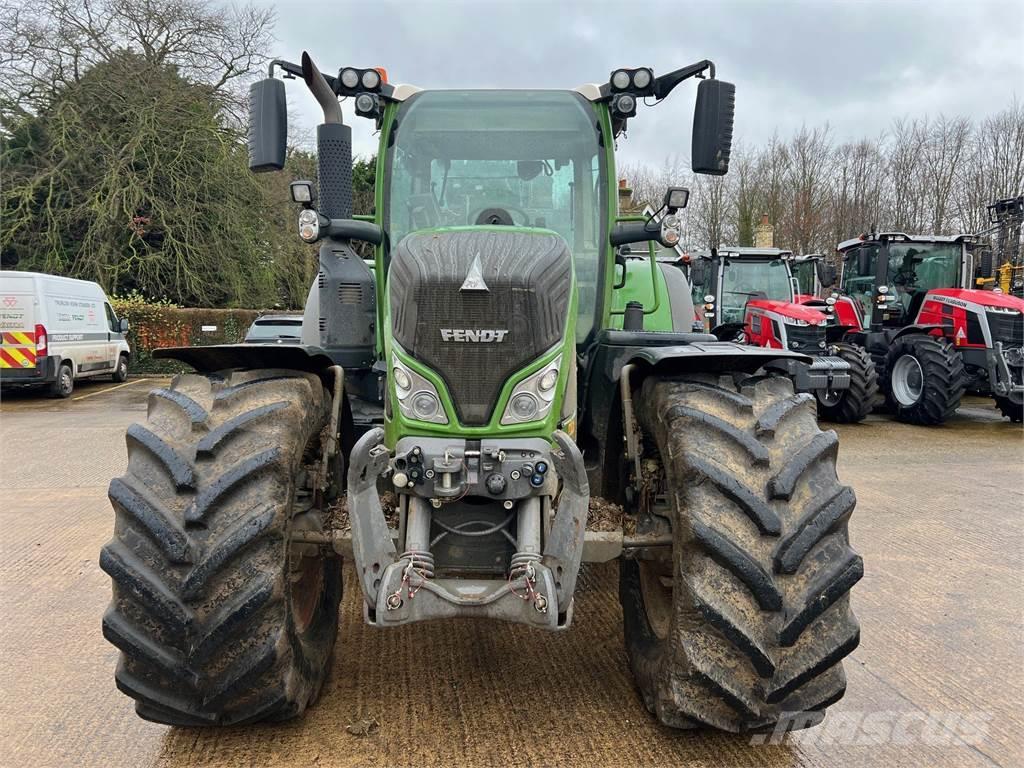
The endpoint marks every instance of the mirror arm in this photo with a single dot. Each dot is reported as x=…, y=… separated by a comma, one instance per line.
x=633, y=232
x=293, y=70
x=663, y=85
x=352, y=229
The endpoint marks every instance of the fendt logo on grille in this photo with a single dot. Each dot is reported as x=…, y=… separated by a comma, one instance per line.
x=479, y=337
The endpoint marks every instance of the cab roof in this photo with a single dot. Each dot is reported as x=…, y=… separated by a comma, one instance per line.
x=735, y=251
x=903, y=237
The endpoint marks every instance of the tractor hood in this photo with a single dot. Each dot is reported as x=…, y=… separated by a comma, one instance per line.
x=477, y=304
x=789, y=311
x=982, y=298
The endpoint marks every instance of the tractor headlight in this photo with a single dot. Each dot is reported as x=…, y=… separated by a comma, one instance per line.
x=417, y=397
x=425, y=405
x=670, y=230
x=532, y=398
x=349, y=78
x=523, y=407
x=309, y=225
x=642, y=78
x=620, y=80
x=370, y=79
x=402, y=380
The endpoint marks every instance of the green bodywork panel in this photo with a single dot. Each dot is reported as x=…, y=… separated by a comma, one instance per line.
x=647, y=287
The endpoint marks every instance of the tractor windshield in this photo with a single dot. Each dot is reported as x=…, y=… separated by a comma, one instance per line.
x=745, y=280
x=518, y=158
x=913, y=269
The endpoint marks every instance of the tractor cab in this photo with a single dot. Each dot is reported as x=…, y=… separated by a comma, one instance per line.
x=891, y=287
x=734, y=279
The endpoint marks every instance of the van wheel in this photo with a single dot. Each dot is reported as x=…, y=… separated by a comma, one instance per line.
x=121, y=372
x=64, y=384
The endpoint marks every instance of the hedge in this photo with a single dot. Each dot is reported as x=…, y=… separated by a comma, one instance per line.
x=154, y=325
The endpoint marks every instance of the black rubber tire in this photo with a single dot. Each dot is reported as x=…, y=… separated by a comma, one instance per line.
x=862, y=396
x=1011, y=410
x=761, y=564
x=121, y=371
x=943, y=379
x=203, y=611
x=64, y=384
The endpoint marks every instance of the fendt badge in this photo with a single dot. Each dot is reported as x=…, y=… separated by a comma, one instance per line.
x=479, y=337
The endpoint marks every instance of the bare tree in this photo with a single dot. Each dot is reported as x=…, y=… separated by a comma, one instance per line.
x=49, y=44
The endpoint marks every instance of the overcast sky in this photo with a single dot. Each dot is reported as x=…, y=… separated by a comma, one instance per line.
x=855, y=65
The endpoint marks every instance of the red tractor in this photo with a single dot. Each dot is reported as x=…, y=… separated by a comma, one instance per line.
x=930, y=338
x=750, y=294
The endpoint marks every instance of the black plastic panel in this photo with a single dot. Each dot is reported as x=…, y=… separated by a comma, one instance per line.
x=528, y=279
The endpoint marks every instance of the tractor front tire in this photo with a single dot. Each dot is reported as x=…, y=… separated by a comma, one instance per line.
x=855, y=403
x=220, y=618
x=1014, y=411
x=742, y=625
x=924, y=379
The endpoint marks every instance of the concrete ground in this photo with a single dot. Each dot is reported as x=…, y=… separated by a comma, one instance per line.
x=936, y=681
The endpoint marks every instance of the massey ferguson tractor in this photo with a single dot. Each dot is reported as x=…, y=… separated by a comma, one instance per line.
x=753, y=297
x=491, y=367
x=930, y=338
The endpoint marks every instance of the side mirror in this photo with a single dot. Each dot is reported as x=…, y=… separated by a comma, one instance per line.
x=712, y=127
x=698, y=273
x=826, y=274
x=122, y=324
x=268, y=125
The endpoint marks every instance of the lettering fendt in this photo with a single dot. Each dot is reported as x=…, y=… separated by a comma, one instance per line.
x=492, y=365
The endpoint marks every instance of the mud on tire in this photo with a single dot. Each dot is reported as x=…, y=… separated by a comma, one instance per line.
x=218, y=619
x=757, y=617
x=858, y=401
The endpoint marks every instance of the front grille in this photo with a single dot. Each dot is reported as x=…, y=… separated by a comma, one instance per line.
x=1007, y=327
x=528, y=279
x=805, y=338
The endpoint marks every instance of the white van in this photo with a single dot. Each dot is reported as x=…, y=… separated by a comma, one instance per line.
x=56, y=330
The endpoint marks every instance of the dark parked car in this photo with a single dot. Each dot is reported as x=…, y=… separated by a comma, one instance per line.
x=275, y=329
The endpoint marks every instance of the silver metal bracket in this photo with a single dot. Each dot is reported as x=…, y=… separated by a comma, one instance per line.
x=372, y=546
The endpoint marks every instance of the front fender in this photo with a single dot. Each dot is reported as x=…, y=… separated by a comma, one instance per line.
x=714, y=356
x=927, y=329
x=219, y=357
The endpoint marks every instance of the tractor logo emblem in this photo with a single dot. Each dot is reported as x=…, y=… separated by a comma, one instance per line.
x=10, y=301
x=478, y=337
x=475, y=279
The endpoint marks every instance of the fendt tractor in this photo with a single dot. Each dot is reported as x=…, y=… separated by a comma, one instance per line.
x=931, y=338
x=753, y=296
x=490, y=367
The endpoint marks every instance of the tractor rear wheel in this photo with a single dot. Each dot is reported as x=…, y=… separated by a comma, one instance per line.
x=744, y=621
x=1014, y=411
x=924, y=379
x=221, y=618
x=854, y=404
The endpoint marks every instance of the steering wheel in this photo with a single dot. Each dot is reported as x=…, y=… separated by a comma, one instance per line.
x=498, y=215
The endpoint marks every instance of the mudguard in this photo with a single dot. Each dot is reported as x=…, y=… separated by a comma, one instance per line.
x=600, y=431
x=709, y=356
x=222, y=356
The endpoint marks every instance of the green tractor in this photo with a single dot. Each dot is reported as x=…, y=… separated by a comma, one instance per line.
x=458, y=398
